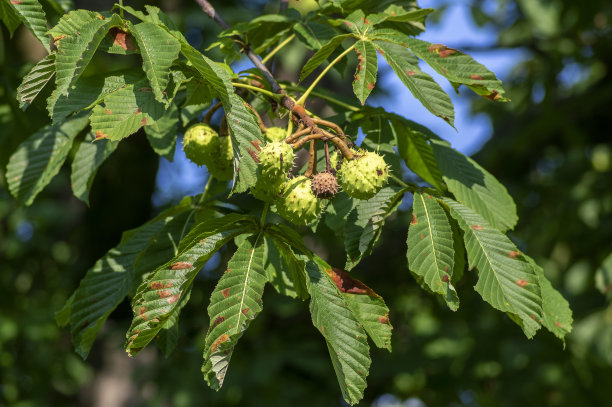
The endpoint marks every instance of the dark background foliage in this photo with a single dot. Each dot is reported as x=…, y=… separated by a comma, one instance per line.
x=550, y=147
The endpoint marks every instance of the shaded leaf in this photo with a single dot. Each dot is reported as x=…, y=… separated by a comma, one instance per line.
x=474, y=187
x=35, y=81
x=88, y=158
x=162, y=136
x=39, y=158
x=284, y=270
x=33, y=16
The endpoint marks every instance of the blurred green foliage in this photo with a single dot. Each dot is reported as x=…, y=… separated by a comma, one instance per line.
x=551, y=147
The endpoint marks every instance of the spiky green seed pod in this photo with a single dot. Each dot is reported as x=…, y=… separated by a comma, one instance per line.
x=222, y=165
x=268, y=189
x=275, y=134
x=298, y=204
x=276, y=159
x=363, y=176
x=201, y=143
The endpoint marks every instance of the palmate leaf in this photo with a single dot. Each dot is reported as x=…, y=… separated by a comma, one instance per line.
x=234, y=303
x=109, y=281
x=322, y=54
x=157, y=297
x=88, y=158
x=365, y=74
x=475, y=187
x=159, y=49
x=74, y=52
x=125, y=111
x=365, y=223
x=31, y=13
x=505, y=279
x=418, y=154
x=430, y=248
x=39, y=158
x=421, y=85
x=345, y=337
x=368, y=307
x=35, y=81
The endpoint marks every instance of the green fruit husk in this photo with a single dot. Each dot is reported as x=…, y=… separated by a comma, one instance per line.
x=364, y=176
x=298, y=204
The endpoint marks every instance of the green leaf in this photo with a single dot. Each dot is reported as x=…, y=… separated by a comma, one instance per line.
x=458, y=68
x=74, y=52
x=9, y=16
x=400, y=14
x=70, y=23
x=505, y=280
x=90, y=154
x=39, y=158
x=314, y=35
x=556, y=312
x=242, y=125
x=124, y=112
x=169, y=334
x=430, y=248
x=107, y=284
x=365, y=75
x=475, y=187
x=336, y=213
x=162, y=137
x=157, y=297
x=288, y=235
x=284, y=270
x=345, y=337
x=234, y=303
x=35, y=81
x=368, y=307
x=31, y=13
x=365, y=223
x=88, y=92
x=322, y=54
x=418, y=155
x=420, y=84
x=159, y=49
x=603, y=277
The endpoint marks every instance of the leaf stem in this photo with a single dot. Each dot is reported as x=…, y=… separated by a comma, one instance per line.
x=278, y=48
x=264, y=214
x=121, y=8
x=303, y=98
x=256, y=89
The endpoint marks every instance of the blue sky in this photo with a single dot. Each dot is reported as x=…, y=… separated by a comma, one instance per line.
x=456, y=29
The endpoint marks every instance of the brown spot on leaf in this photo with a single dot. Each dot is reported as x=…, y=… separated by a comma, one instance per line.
x=164, y=293
x=108, y=111
x=181, y=265
x=558, y=324
x=256, y=144
x=143, y=121
x=58, y=38
x=442, y=50
x=100, y=134
x=477, y=227
x=244, y=311
x=521, y=282
x=366, y=21
x=225, y=292
x=410, y=73
x=141, y=312
x=173, y=299
x=414, y=220
x=513, y=254
x=381, y=52
x=493, y=95
x=446, y=269
x=445, y=278
x=15, y=1
x=122, y=38
x=218, y=320
x=347, y=284
x=384, y=319
x=253, y=155
x=476, y=77
x=371, y=85
x=422, y=236
x=137, y=111
x=227, y=270
x=215, y=345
